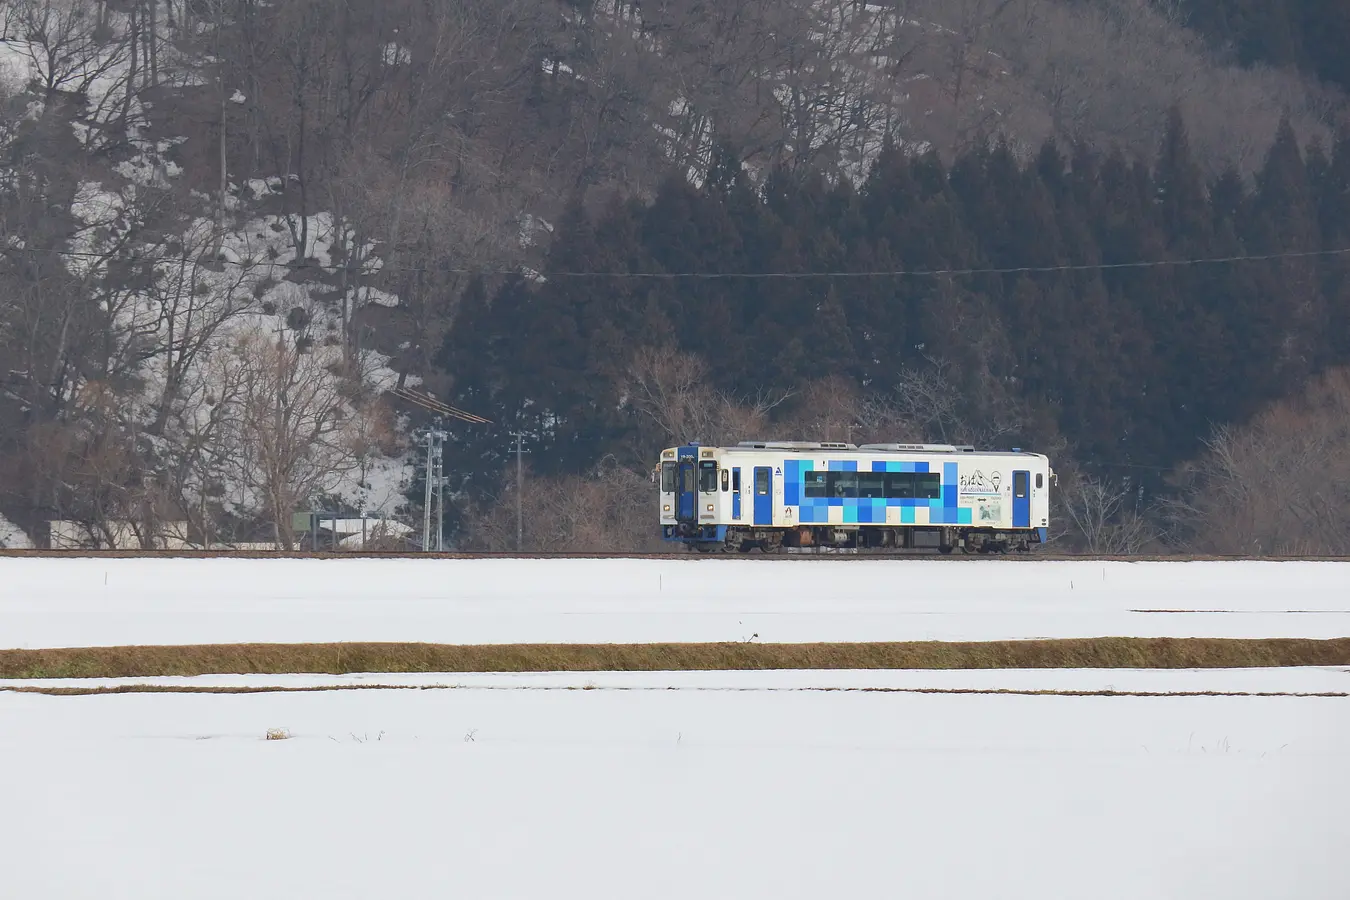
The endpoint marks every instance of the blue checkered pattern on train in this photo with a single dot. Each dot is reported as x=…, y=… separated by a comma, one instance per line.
x=870, y=510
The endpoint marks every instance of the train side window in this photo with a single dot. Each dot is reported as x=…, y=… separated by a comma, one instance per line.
x=736, y=480
x=900, y=485
x=762, y=482
x=872, y=485
x=845, y=484
x=726, y=481
x=1040, y=480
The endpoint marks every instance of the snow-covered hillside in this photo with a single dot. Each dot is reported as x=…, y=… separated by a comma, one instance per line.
x=185, y=185
x=12, y=537
x=214, y=311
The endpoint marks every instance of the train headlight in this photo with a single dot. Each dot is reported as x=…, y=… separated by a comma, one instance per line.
x=666, y=508
x=709, y=507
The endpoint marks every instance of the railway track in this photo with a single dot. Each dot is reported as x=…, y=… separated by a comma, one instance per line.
x=1033, y=556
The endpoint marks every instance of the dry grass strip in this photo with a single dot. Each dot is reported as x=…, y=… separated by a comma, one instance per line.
x=304, y=689
x=345, y=658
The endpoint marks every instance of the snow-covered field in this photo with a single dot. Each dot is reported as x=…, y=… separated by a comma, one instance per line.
x=674, y=793
x=1284, y=680
x=47, y=602
x=778, y=784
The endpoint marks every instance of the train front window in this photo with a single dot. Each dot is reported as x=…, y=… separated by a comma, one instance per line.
x=707, y=476
x=668, y=470
x=687, y=480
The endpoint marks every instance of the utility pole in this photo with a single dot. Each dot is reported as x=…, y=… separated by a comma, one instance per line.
x=520, y=483
x=435, y=442
x=426, y=500
x=224, y=181
x=435, y=490
x=273, y=455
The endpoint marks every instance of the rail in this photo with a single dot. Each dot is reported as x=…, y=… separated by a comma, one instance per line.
x=1032, y=556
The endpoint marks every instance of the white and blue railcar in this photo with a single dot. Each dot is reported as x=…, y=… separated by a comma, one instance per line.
x=770, y=495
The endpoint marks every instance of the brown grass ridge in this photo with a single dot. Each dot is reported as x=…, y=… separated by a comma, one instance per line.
x=274, y=659
x=101, y=690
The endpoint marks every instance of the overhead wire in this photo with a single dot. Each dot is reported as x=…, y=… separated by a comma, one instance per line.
x=367, y=269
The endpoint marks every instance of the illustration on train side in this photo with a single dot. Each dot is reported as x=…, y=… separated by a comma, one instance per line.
x=769, y=495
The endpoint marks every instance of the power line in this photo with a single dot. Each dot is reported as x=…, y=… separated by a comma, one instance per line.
x=709, y=276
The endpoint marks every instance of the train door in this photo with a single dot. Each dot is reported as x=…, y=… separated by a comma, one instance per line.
x=1021, y=499
x=763, y=495
x=1039, y=500
x=736, y=493
x=686, y=502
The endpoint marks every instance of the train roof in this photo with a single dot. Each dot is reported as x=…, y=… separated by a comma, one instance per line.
x=842, y=447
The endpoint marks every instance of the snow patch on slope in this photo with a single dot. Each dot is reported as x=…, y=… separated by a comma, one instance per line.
x=204, y=290
x=12, y=537
x=847, y=110
x=15, y=66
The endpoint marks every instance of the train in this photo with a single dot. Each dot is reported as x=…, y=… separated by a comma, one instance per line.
x=775, y=495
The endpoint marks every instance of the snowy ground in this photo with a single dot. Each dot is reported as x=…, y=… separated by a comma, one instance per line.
x=1285, y=680
x=48, y=602
x=674, y=784
x=680, y=794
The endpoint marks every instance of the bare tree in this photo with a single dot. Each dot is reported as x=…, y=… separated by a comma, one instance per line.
x=197, y=446
x=290, y=427
x=608, y=508
x=192, y=300
x=670, y=393
x=666, y=386
x=1106, y=73
x=1277, y=485
x=66, y=42
x=1104, y=522
x=931, y=398
x=828, y=409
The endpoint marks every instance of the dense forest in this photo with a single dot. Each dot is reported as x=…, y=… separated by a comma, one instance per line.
x=231, y=232
x=1310, y=35
x=1110, y=310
